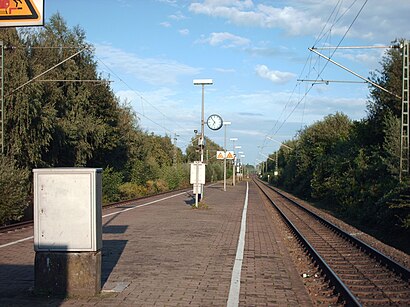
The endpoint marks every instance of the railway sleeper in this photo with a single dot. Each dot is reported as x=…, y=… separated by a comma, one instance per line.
x=376, y=302
x=393, y=291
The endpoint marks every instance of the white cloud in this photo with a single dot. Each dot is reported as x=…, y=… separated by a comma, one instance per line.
x=273, y=75
x=225, y=70
x=165, y=24
x=371, y=57
x=225, y=39
x=316, y=107
x=248, y=132
x=184, y=32
x=377, y=21
x=245, y=13
x=177, y=16
x=162, y=112
x=150, y=70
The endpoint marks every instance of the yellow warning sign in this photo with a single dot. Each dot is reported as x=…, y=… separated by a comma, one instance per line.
x=220, y=155
x=230, y=155
x=16, y=13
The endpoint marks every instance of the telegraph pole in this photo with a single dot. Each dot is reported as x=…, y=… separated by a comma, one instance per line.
x=202, y=82
x=405, y=119
x=175, y=150
x=404, y=137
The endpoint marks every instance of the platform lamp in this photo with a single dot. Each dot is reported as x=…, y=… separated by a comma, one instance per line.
x=202, y=82
x=236, y=147
x=225, y=123
x=233, y=174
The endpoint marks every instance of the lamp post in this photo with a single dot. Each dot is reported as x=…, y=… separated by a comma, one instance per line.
x=241, y=154
x=234, y=157
x=244, y=171
x=175, y=149
x=276, y=172
x=238, y=160
x=225, y=124
x=202, y=82
x=259, y=166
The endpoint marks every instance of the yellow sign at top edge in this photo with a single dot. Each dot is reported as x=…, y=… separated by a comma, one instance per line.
x=220, y=155
x=230, y=155
x=15, y=13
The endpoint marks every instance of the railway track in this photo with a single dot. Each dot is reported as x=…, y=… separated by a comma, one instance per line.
x=359, y=274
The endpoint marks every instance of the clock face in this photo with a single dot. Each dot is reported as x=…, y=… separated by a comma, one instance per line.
x=214, y=122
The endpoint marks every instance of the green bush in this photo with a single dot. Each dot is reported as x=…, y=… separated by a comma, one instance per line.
x=130, y=190
x=157, y=186
x=111, y=181
x=14, y=188
x=175, y=176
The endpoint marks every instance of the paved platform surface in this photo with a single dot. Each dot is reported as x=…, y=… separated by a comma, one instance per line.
x=168, y=254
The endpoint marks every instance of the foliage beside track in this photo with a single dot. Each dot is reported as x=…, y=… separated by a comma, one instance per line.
x=75, y=124
x=352, y=167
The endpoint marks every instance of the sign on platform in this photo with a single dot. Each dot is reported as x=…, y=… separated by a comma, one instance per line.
x=197, y=175
x=230, y=155
x=21, y=13
x=196, y=188
x=220, y=155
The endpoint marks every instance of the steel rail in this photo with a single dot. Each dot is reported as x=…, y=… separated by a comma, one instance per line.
x=382, y=258
x=15, y=226
x=348, y=297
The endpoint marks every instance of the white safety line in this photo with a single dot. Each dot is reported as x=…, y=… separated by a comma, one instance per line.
x=15, y=242
x=233, y=298
x=118, y=212
x=143, y=205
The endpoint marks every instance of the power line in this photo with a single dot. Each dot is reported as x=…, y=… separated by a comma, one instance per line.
x=307, y=91
x=321, y=71
x=46, y=71
x=142, y=100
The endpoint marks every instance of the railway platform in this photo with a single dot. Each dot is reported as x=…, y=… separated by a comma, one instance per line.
x=161, y=252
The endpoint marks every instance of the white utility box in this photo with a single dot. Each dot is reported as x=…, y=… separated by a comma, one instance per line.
x=67, y=209
x=197, y=175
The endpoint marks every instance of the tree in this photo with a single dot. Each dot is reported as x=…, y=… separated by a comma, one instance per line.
x=14, y=186
x=353, y=167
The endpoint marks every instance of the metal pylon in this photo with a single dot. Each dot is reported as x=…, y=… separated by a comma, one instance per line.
x=404, y=139
x=1, y=97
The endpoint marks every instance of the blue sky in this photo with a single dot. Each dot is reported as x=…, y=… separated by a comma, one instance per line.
x=255, y=51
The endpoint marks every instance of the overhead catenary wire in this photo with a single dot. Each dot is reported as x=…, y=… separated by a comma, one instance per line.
x=307, y=91
x=48, y=70
x=89, y=47
x=323, y=68
x=309, y=60
x=142, y=98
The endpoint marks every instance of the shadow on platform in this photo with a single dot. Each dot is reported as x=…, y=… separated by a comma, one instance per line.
x=190, y=202
x=17, y=287
x=111, y=253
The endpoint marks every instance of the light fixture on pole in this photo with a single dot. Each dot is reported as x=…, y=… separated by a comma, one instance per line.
x=237, y=162
x=174, y=162
x=243, y=167
x=225, y=123
x=234, y=158
x=202, y=82
x=259, y=166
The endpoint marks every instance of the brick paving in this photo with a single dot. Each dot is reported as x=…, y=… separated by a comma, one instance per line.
x=167, y=254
